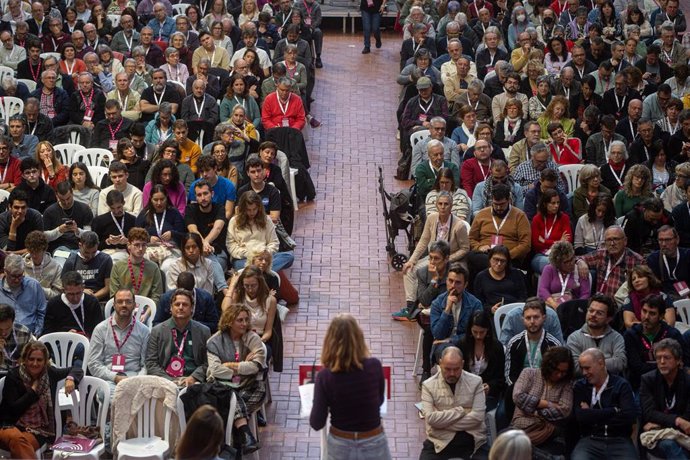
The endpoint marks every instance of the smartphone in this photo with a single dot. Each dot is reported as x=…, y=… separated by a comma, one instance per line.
x=67, y=221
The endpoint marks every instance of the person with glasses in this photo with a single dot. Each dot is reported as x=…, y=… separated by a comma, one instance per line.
x=191, y=37
x=654, y=106
x=499, y=175
x=559, y=281
x=11, y=54
x=437, y=130
x=24, y=294
x=499, y=284
x=425, y=173
x=54, y=101
x=671, y=263
x=40, y=194
x=137, y=273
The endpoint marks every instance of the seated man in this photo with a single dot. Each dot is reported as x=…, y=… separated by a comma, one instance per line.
x=487, y=232
x=283, y=108
x=671, y=263
x=521, y=151
x=17, y=222
x=118, y=344
x=114, y=127
x=189, y=150
x=207, y=219
x=426, y=171
x=223, y=191
x=548, y=180
x=137, y=273
x=24, y=294
x=86, y=105
x=160, y=91
x=612, y=263
x=599, y=143
x=74, y=310
x=476, y=169
x=13, y=337
x=641, y=337
x=177, y=347
x=453, y=405
x=199, y=106
x=23, y=145
x=37, y=123
x=54, y=101
x=642, y=224
x=452, y=310
x=437, y=131
x=481, y=198
x=597, y=333
x=11, y=174
x=93, y=265
x=514, y=323
x=114, y=225
x=40, y=194
x=604, y=410
x=118, y=173
x=64, y=221
x=664, y=398
x=205, y=311
x=126, y=96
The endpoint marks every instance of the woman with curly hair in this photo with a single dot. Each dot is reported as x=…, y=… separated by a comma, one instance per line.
x=642, y=282
x=590, y=227
x=559, y=281
x=590, y=187
x=556, y=112
x=637, y=187
x=165, y=173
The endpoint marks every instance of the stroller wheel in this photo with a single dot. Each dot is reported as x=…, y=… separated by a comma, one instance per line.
x=398, y=261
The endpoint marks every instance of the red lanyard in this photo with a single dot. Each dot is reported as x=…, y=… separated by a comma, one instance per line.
x=36, y=74
x=87, y=106
x=136, y=286
x=180, y=347
x=307, y=8
x=119, y=345
x=113, y=132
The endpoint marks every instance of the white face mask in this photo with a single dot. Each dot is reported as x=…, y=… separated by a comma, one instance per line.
x=521, y=17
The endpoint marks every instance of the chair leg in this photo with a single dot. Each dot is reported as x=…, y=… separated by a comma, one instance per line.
x=418, y=354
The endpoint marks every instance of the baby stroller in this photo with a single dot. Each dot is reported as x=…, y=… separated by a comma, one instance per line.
x=398, y=211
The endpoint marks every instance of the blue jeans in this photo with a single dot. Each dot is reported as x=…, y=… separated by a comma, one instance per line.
x=371, y=22
x=669, y=448
x=539, y=261
x=605, y=449
x=374, y=448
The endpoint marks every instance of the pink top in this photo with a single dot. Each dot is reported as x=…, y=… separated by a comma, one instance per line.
x=176, y=196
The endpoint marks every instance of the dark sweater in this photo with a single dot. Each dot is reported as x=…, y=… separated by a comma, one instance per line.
x=640, y=359
x=604, y=419
x=653, y=395
x=681, y=218
x=491, y=291
x=33, y=221
x=94, y=272
x=40, y=198
x=104, y=226
x=59, y=318
x=205, y=310
x=682, y=270
x=174, y=223
x=353, y=398
x=56, y=216
x=494, y=374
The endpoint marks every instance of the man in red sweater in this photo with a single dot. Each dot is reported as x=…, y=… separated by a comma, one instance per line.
x=283, y=108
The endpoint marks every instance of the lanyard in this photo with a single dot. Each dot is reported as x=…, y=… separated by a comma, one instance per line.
x=547, y=231
x=212, y=56
x=198, y=109
x=619, y=178
x=415, y=48
x=607, y=148
x=136, y=286
x=601, y=83
x=672, y=275
x=4, y=173
x=499, y=227
x=619, y=105
x=120, y=227
x=530, y=357
x=488, y=170
x=36, y=74
x=671, y=129
x=632, y=130
x=76, y=318
x=70, y=70
x=428, y=107
x=123, y=104
x=113, y=132
x=87, y=105
x=609, y=267
x=119, y=345
x=16, y=345
x=33, y=130
x=564, y=282
x=180, y=347
x=128, y=43
x=159, y=228
x=596, y=395
x=566, y=92
x=280, y=104
x=242, y=103
x=159, y=99
x=669, y=58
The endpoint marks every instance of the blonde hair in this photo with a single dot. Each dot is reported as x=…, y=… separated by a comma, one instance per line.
x=344, y=349
x=512, y=444
x=231, y=313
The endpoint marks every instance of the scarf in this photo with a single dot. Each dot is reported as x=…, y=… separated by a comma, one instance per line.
x=509, y=135
x=489, y=185
x=38, y=418
x=636, y=300
x=618, y=167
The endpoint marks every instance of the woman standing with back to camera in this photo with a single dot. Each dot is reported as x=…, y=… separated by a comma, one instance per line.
x=351, y=386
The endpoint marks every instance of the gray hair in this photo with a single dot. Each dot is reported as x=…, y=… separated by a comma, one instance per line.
x=445, y=194
x=14, y=263
x=438, y=120
x=165, y=107
x=451, y=350
x=8, y=81
x=89, y=239
x=560, y=251
x=617, y=144
x=587, y=173
x=512, y=444
x=476, y=85
x=175, y=34
x=452, y=25
x=504, y=66
x=667, y=26
x=206, y=61
x=631, y=28
x=433, y=143
x=671, y=345
x=285, y=81
x=595, y=353
x=416, y=9
x=539, y=146
x=138, y=51
x=461, y=19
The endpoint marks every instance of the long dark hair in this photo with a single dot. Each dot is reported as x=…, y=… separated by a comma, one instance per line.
x=445, y=173
x=483, y=319
x=204, y=435
x=545, y=199
x=564, y=49
x=230, y=92
x=197, y=240
x=89, y=180
x=158, y=170
x=150, y=211
x=602, y=199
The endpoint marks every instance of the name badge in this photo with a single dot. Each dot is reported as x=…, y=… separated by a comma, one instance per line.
x=118, y=363
x=307, y=21
x=682, y=288
x=112, y=145
x=422, y=117
x=176, y=367
x=285, y=123
x=88, y=115
x=496, y=240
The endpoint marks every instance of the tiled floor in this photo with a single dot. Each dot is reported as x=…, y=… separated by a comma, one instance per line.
x=341, y=264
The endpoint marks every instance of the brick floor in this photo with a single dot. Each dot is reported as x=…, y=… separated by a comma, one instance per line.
x=341, y=264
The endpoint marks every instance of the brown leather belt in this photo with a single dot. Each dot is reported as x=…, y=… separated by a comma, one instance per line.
x=355, y=435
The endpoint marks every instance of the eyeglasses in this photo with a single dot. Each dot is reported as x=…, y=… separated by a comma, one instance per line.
x=665, y=240
x=599, y=313
x=614, y=239
x=499, y=260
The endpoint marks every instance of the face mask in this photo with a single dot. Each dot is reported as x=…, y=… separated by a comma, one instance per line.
x=521, y=17
x=548, y=20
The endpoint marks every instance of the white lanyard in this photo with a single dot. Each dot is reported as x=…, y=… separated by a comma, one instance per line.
x=33, y=130
x=581, y=72
x=241, y=103
x=597, y=236
x=531, y=359
x=671, y=129
x=280, y=104
x=619, y=178
x=609, y=267
x=198, y=109
x=76, y=318
x=213, y=56
x=669, y=58
x=672, y=275
x=632, y=130
x=596, y=395
x=607, y=149
x=547, y=231
x=566, y=92
x=564, y=282
x=128, y=43
x=646, y=152
x=123, y=104
x=620, y=105
x=428, y=107
x=159, y=228
x=488, y=170
x=163, y=135
x=415, y=48
x=119, y=226
x=16, y=345
x=499, y=227
x=70, y=70
x=177, y=73
x=159, y=99
x=506, y=128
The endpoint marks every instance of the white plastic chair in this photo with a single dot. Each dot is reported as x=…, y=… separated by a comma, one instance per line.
x=10, y=106
x=94, y=157
x=55, y=55
x=501, y=312
x=65, y=152
x=571, y=173
x=114, y=19
x=6, y=453
x=683, y=308
x=64, y=345
x=418, y=353
x=75, y=137
x=4, y=195
x=29, y=83
x=179, y=8
x=416, y=138
x=140, y=301
x=94, y=403
x=293, y=188
x=97, y=173
x=4, y=71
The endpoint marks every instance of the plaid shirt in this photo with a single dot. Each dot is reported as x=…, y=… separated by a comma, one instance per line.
x=525, y=174
x=599, y=260
x=19, y=337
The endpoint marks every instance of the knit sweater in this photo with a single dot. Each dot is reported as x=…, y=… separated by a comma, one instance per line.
x=515, y=232
x=240, y=241
x=151, y=282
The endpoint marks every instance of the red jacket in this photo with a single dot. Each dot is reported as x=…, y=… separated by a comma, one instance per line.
x=473, y=173
x=272, y=115
x=540, y=242
x=10, y=174
x=567, y=155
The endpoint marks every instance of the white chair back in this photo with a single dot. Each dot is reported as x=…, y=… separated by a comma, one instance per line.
x=63, y=345
x=4, y=70
x=4, y=195
x=143, y=304
x=10, y=106
x=97, y=173
x=29, y=83
x=114, y=19
x=179, y=8
x=501, y=312
x=94, y=157
x=75, y=137
x=65, y=152
x=683, y=309
x=571, y=173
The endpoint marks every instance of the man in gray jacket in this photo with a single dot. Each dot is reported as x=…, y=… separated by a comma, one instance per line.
x=596, y=333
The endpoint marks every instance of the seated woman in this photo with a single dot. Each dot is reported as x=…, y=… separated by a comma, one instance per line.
x=268, y=150
x=223, y=166
x=499, y=284
x=589, y=230
x=165, y=225
x=675, y=193
x=556, y=112
x=83, y=187
x=564, y=150
x=136, y=167
x=296, y=70
x=641, y=283
x=69, y=63
x=559, y=281
x=245, y=138
x=590, y=187
x=617, y=165
x=588, y=97
x=52, y=170
x=662, y=168
x=540, y=101
x=484, y=356
x=510, y=129
x=445, y=182
x=464, y=135
x=27, y=415
x=544, y=396
x=549, y=225
x=558, y=55
x=636, y=187
x=671, y=122
x=208, y=274
x=165, y=173
x=40, y=266
x=237, y=358
x=170, y=150
x=237, y=94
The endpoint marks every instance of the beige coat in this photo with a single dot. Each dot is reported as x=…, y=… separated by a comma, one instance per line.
x=241, y=241
x=445, y=413
x=459, y=239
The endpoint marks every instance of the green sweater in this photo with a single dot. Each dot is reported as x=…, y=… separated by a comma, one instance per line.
x=151, y=282
x=625, y=203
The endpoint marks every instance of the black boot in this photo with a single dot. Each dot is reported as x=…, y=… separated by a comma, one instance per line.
x=248, y=441
x=260, y=419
